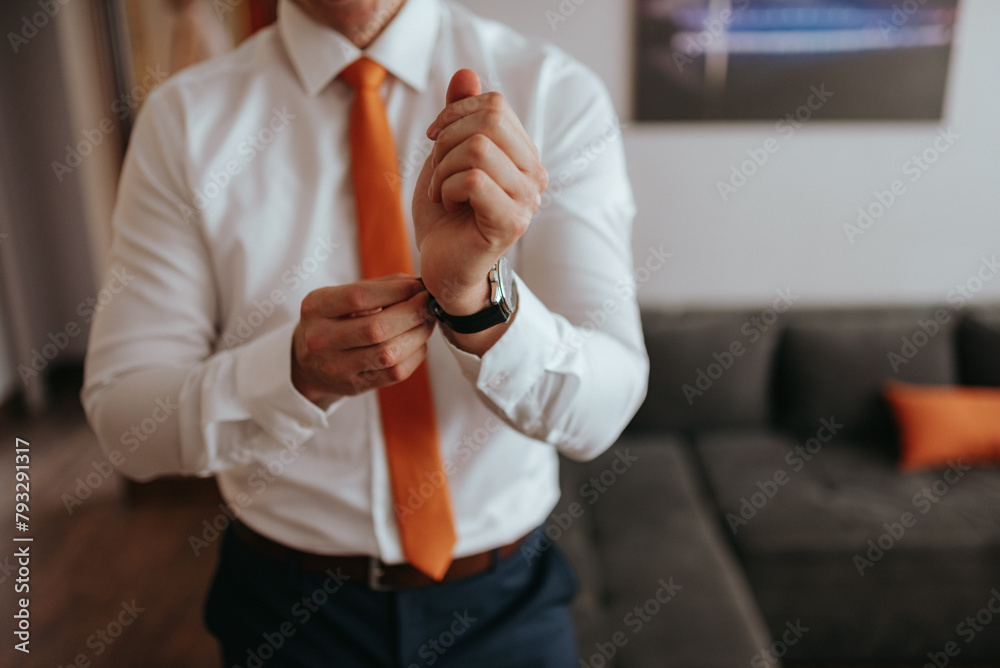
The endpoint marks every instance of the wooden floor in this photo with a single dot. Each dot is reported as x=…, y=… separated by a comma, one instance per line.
x=115, y=558
x=119, y=548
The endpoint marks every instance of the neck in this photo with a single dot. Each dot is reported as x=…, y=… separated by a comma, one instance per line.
x=360, y=21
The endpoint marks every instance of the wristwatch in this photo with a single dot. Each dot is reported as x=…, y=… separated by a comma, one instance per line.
x=503, y=304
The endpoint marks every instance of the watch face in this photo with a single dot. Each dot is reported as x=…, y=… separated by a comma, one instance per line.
x=507, y=286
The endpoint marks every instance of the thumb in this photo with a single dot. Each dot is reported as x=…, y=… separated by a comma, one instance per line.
x=464, y=83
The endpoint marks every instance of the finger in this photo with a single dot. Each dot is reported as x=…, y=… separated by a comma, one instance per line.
x=392, y=352
x=395, y=276
x=385, y=363
x=453, y=111
x=504, y=131
x=363, y=296
x=479, y=152
x=374, y=329
x=325, y=336
x=373, y=379
x=464, y=83
x=500, y=219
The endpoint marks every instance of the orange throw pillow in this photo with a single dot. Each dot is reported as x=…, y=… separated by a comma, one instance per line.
x=938, y=424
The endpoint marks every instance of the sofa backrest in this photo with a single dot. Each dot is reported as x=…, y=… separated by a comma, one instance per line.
x=753, y=368
x=707, y=369
x=979, y=348
x=834, y=364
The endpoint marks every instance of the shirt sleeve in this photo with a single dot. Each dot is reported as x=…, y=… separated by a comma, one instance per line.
x=158, y=387
x=571, y=369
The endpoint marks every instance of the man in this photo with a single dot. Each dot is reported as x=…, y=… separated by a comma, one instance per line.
x=385, y=477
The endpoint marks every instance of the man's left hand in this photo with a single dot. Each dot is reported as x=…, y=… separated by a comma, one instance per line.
x=475, y=195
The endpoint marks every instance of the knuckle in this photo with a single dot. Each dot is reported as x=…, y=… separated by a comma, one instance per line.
x=534, y=204
x=465, y=106
x=307, y=309
x=313, y=342
x=373, y=332
x=354, y=297
x=443, y=138
x=542, y=176
x=493, y=117
x=396, y=373
x=475, y=179
x=479, y=146
x=361, y=382
x=520, y=225
x=494, y=100
x=387, y=355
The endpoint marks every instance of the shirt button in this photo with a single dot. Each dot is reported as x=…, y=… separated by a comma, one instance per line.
x=498, y=380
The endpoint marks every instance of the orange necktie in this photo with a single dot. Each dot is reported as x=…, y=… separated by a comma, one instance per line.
x=419, y=484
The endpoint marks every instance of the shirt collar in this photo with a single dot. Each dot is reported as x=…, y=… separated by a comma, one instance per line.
x=404, y=48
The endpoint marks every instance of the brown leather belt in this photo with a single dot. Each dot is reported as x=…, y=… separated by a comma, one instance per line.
x=371, y=570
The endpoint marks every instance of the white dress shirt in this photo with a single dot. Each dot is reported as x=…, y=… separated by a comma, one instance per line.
x=236, y=201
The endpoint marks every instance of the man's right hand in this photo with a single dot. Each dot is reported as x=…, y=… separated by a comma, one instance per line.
x=360, y=336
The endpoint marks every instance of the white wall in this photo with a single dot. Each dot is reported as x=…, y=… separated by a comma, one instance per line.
x=784, y=228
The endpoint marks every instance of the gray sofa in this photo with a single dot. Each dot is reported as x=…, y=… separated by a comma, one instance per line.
x=751, y=513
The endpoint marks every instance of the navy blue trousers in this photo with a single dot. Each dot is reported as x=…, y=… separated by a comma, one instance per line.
x=272, y=615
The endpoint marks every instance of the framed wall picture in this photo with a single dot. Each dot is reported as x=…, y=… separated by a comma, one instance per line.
x=759, y=59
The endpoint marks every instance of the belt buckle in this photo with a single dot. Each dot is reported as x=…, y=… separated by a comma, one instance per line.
x=376, y=569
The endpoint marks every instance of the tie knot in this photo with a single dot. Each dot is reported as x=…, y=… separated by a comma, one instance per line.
x=364, y=74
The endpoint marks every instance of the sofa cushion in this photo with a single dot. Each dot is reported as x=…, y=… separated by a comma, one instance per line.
x=878, y=565
x=636, y=527
x=938, y=424
x=979, y=349
x=834, y=365
x=706, y=369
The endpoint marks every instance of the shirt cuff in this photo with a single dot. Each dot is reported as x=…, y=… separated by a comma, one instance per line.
x=516, y=362
x=264, y=387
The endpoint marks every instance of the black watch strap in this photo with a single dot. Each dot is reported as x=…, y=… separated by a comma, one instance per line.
x=491, y=316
